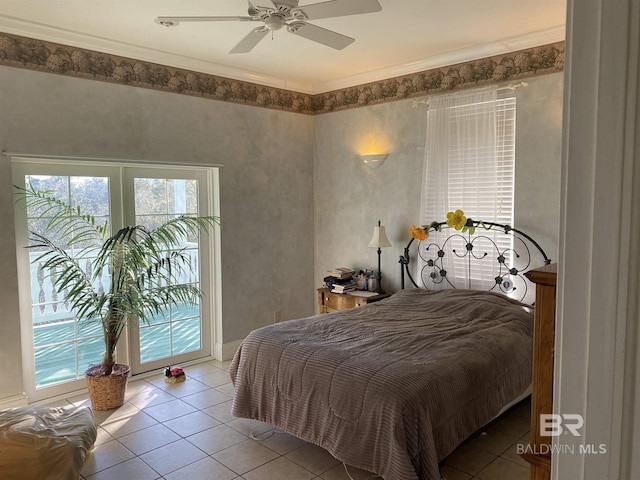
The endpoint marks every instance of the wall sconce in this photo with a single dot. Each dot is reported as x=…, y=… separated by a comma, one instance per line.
x=373, y=160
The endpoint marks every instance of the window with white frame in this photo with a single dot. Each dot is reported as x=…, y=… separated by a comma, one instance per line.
x=470, y=166
x=57, y=347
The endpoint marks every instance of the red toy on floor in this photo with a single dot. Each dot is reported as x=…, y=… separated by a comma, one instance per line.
x=174, y=374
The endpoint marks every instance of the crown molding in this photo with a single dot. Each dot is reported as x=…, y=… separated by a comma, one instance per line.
x=522, y=42
x=62, y=36
x=43, y=56
x=496, y=70
x=71, y=38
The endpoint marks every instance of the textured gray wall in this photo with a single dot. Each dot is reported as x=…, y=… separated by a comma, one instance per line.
x=538, y=160
x=291, y=184
x=350, y=197
x=266, y=184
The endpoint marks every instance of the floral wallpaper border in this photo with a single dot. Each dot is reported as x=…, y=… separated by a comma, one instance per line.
x=491, y=70
x=39, y=55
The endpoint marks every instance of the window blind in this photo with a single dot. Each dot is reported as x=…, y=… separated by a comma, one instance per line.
x=470, y=165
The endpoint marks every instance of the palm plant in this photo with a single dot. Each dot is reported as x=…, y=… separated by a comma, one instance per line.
x=143, y=266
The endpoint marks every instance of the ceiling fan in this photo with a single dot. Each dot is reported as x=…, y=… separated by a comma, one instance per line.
x=287, y=13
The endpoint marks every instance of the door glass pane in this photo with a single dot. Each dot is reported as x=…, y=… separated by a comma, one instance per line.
x=63, y=347
x=155, y=339
x=186, y=335
x=178, y=329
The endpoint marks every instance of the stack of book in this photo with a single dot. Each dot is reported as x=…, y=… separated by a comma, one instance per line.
x=342, y=280
x=344, y=288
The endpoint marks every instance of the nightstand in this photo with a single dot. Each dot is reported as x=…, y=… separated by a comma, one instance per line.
x=332, y=302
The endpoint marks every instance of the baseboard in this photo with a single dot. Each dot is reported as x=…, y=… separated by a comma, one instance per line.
x=20, y=400
x=226, y=351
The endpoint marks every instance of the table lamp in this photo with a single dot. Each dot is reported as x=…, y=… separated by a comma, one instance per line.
x=378, y=241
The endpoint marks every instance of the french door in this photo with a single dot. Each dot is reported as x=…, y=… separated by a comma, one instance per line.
x=182, y=332
x=57, y=349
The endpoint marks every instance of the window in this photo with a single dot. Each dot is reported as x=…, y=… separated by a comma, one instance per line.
x=470, y=165
x=62, y=346
x=57, y=349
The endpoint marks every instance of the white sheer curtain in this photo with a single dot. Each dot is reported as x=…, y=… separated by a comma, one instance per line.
x=469, y=165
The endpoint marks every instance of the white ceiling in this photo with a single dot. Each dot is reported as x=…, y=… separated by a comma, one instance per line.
x=407, y=36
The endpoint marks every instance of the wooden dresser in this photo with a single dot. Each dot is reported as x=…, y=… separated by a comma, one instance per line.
x=331, y=302
x=542, y=381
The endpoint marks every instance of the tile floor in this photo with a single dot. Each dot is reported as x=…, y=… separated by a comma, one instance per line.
x=185, y=431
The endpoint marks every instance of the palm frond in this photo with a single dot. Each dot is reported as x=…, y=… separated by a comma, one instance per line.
x=70, y=275
x=65, y=221
x=176, y=230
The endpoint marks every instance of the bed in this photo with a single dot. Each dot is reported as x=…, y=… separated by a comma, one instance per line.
x=395, y=386
x=38, y=443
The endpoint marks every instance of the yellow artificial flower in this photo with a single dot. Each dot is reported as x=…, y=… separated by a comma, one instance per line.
x=456, y=219
x=418, y=233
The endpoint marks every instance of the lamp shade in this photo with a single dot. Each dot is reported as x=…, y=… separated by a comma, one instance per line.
x=379, y=238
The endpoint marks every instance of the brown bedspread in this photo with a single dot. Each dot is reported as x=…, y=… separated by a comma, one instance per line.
x=392, y=387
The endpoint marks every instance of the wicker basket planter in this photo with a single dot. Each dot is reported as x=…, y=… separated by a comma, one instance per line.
x=107, y=391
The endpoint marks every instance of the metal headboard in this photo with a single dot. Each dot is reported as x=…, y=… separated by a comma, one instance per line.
x=474, y=250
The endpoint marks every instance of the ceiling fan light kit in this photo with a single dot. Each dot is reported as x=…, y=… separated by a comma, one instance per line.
x=287, y=13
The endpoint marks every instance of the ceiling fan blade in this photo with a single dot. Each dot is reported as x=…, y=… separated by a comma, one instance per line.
x=320, y=35
x=258, y=11
x=339, y=8
x=171, y=21
x=252, y=10
x=250, y=41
